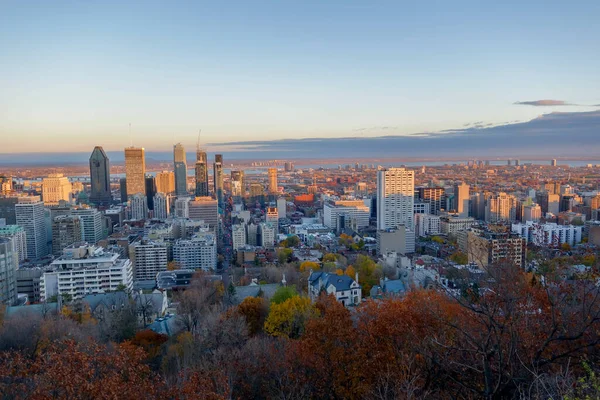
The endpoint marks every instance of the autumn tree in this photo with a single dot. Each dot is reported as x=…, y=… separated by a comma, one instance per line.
x=309, y=265
x=288, y=319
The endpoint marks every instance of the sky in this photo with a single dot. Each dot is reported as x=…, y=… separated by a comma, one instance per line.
x=75, y=74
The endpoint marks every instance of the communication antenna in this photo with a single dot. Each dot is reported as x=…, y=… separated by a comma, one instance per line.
x=130, y=137
x=198, y=142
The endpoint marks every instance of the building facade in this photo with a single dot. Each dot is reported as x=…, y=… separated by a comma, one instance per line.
x=135, y=171
x=180, y=166
x=100, y=177
x=29, y=212
x=56, y=188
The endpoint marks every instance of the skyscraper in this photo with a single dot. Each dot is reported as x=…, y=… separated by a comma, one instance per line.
x=55, y=188
x=161, y=206
x=150, y=190
x=165, y=182
x=135, y=170
x=204, y=209
x=179, y=160
x=91, y=224
x=238, y=188
x=462, y=199
x=272, y=180
x=218, y=178
x=395, y=198
x=201, y=173
x=8, y=270
x=139, y=207
x=30, y=215
x=123, y=189
x=100, y=177
x=66, y=230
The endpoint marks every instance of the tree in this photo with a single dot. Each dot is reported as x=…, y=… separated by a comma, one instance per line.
x=254, y=310
x=329, y=257
x=173, y=265
x=283, y=293
x=309, y=265
x=459, y=258
x=368, y=272
x=351, y=272
x=288, y=319
x=284, y=255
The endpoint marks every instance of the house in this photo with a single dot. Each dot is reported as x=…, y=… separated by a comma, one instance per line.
x=388, y=288
x=345, y=289
x=255, y=289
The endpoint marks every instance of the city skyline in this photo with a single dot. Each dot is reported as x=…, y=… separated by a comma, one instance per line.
x=278, y=71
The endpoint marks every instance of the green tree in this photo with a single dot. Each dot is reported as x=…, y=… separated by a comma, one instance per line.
x=283, y=293
x=459, y=258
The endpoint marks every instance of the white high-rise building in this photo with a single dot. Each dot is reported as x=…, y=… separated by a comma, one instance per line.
x=161, y=206
x=55, y=188
x=199, y=252
x=238, y=236
x=267, y=235
x=9, y=262
x=148, y=259
x=29, y=213
x=356, y=214
x=139, y=207
x=395, y=198
x=549, y=234
x=281, y=207
x=91, y=224
x=427, y=224
x=85, y=269
x=19, y=238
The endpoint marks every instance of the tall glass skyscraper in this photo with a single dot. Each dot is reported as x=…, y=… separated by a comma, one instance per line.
x=100, y=177
x=180, y=166
x=135, y=170
x=218, y=178
x=201, y=170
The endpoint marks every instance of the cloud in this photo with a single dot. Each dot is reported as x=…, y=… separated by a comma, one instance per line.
x=544, y=103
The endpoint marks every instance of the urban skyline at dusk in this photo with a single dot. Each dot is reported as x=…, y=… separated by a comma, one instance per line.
x=75, y=73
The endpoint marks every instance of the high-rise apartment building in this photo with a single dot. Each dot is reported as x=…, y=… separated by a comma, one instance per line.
x=9, y=262
x=148, y=259
x=273, y=180
x=488, y=247
x=55, y=188
x=30, y=215
x=100, y=177
x=501, y=207
x=91, y=222
x=180, y=165
x=17, y=234
x=139, y=207
x=238, y=184
x=343, y=214
x=395, y=198
x=66, y=230
x=281, y=207
x=123, y=189
x=268, y=233
x=182, y=207
x=218, y=178
x=165, y=182
x=161, y=206
x=201, y=173
x=238, y=236
x=135, y=170
x=435, y=196
x=7, y=209
x=462, y=199
x=199, y=252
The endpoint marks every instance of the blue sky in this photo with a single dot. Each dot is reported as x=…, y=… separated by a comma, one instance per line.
x=75, y=74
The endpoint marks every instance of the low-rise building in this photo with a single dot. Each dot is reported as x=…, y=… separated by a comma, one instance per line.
x=345, y=289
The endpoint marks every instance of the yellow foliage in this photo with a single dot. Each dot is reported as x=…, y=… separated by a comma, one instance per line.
x=339, y=272
x=351, y=272
x=288, y=318
x=308, y=265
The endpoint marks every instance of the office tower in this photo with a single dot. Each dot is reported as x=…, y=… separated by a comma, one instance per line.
x=17, y=234
x=100, y=177
x=182, y=207
x=288, y=166
x=201, y=173
x=9, y=262
x=199, y=252
x=532, y=212
x=135, y=171
x=356, y=214
x=256, y=191
x=273, y=180
x=218, y=178
x=204, y=209
x=161, y=206
x=252, y=234
x=435, y=196
x=55, y=188
x=180, y=163
x=272, y=216
x=462, y=199
x=553, y=163
x=165, y=182
x=148, y=258
x=123, y=189
x=83, y=269
x=281, y=207
x=427, y=224
x=66, y=230
x=238, y=187
x=7, y=209
x=150, y=191
x=395, y=198
x=91, y=222
x=6, y=184
x=30, y=215
x=501, y=207
x=139, y=207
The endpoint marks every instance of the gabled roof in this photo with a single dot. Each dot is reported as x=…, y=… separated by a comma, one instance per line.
x=30, y=309
x=340, y=282
x=106, y=299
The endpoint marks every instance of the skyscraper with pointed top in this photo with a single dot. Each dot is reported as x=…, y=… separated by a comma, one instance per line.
x=100, y=177
x=201, y=171
x=218, y=178
x=180, y=167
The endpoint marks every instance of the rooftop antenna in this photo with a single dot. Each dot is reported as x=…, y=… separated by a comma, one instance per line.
x=198, y=142
x=130, y=137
